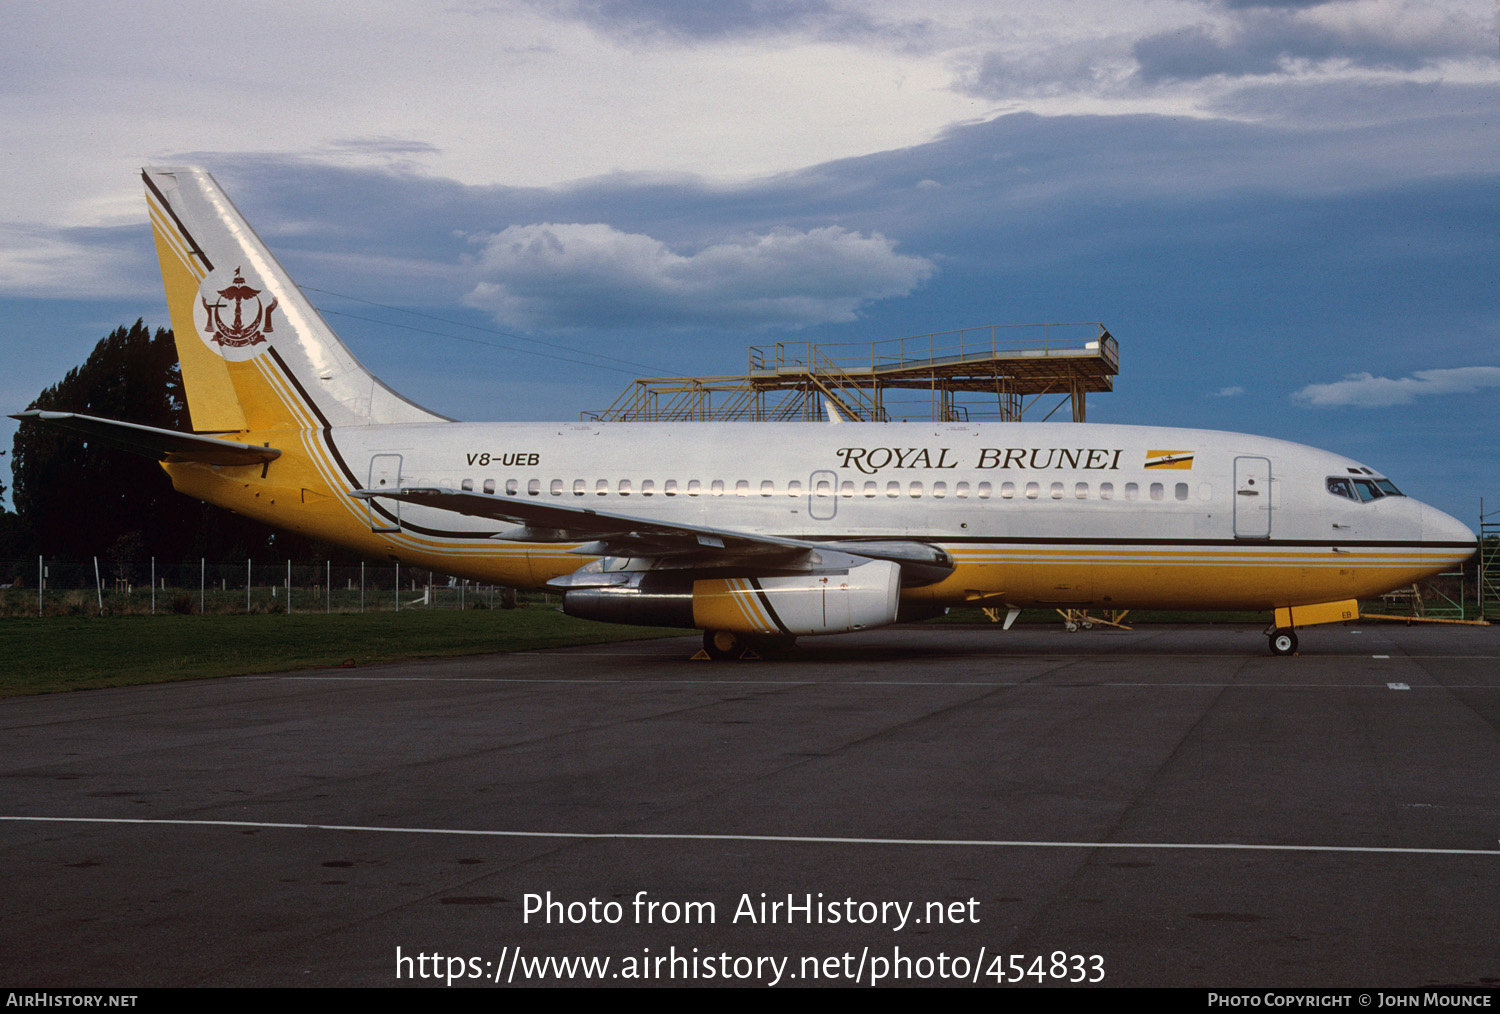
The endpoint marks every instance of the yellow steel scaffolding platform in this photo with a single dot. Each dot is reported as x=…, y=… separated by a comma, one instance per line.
x=999, y=372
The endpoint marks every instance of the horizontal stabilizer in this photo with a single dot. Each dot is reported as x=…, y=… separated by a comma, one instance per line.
x=164, y=445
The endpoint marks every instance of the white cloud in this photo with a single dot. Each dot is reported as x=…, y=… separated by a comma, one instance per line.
x=74, y=264
x=575, y=275
x=1228, y=392
x=1367, y=391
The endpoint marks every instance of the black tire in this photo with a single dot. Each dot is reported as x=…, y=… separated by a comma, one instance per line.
x=1284, y=641
x=723, y=645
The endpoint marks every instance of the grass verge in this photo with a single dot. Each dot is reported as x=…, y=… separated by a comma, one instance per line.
x=78, y=653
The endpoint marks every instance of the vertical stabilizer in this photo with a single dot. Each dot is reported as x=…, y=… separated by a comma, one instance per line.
x=255, y=354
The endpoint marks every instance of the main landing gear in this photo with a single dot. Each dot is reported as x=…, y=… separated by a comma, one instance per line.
x=726, y=645
x=1283, y=641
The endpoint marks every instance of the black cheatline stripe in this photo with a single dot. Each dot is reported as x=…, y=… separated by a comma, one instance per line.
x=1042, y=540
x=343, y=465
x=167, y=206
x=764, y=601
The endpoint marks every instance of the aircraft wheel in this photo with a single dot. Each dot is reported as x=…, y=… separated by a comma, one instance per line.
x=723, y=645
x=1284, y=641
x=1070, y=627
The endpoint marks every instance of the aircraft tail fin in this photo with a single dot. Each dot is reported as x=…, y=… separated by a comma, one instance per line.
x=255, y=353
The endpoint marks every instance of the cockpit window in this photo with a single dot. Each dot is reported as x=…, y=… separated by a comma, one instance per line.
x=1362, y=490
x=1339, y=486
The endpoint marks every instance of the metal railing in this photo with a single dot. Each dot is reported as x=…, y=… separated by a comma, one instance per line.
x=940, y=348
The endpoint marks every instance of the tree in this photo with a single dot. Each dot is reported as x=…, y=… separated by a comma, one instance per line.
x=90, y=498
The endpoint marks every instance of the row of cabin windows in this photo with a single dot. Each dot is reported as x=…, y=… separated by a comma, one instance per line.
x=824, y=487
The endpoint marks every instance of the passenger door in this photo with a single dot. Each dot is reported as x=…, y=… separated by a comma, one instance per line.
x=1252, y=498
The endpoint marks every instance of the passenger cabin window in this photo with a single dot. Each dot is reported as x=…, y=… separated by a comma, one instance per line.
x=983, y=489
x=1033, y=490
x=694, y=487
x=1157, y=491
x=579, y=487
x=893, y=489
x=939, y=489
x=1007, y=490
x=489, y=486
x=1081, y=491
x=1132, y=491
x=624, y=487
x=871, y=489
x=1180, y=491
x=794, y=488
x=961, y=490
x=555, y=487
x=467, y=485
x=742, y=488
x=512, y=487
x=1106, y=491
x=601, y=488
x=648, y=487
x=1057, y=491
x=670, y=487
x=534, y=487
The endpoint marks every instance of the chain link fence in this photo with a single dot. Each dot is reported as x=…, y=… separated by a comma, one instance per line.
x=42, y=587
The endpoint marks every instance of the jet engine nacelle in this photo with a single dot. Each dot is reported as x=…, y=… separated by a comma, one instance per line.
x=828, y=603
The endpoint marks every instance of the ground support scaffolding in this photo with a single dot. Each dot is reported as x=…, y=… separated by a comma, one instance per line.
x=1489, y=564
x=1000, y=372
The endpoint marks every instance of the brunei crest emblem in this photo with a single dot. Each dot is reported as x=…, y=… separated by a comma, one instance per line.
x=251, y=320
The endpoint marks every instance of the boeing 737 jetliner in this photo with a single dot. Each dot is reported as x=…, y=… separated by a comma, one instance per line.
x=752, y=532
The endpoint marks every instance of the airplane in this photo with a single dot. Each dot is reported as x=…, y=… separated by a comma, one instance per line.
x=756, y=532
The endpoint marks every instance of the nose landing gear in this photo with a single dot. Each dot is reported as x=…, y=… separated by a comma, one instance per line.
x=1283, y=641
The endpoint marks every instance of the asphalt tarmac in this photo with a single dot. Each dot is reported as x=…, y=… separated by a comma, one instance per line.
x=917, y=805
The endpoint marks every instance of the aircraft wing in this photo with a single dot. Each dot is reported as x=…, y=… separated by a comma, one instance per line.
x=164, y=445
x=605, y=533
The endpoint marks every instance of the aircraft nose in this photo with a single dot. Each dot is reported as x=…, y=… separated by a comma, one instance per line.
x=1440, y=527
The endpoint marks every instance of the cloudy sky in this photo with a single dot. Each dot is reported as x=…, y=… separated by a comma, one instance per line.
x=1286, y=211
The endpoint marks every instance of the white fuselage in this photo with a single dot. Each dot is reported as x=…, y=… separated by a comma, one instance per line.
x=1032, y=513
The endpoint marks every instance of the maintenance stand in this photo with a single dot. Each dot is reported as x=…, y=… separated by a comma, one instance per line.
x=999, y=372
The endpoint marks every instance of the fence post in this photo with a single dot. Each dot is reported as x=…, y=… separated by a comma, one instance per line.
x=153, y=586
x=398, y=586
x=328, y=588
x=289, y=587
x=98, y=588
x=249, y=579
x=202, y=584
x=361, y=586
x=41, y=582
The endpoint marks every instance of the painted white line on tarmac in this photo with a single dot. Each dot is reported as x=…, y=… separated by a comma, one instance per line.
x=1032, y=684
x=769, y=838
